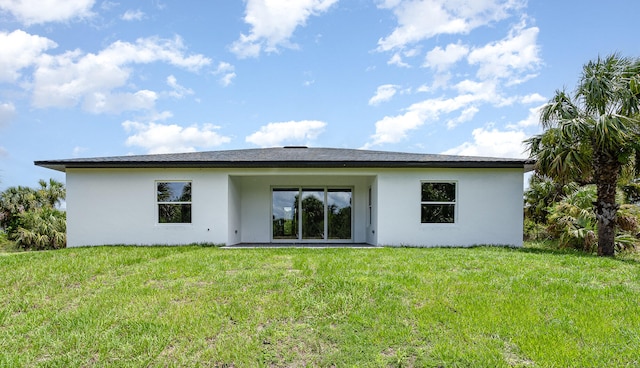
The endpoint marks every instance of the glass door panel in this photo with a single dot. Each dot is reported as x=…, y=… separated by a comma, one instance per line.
x=312, y=213
x=339, y=213
x=285, y=213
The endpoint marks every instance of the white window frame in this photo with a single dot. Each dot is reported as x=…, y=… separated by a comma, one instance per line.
x=370, y=206
x=454, y=203
x=158, y=203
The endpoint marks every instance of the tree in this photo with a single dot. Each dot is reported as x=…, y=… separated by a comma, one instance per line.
x=30, y=216
x=15, y=201
x=591, y=135
x=542, y=193
x=51, y=193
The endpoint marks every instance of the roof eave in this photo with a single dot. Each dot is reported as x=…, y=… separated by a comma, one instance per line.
x=62, y=166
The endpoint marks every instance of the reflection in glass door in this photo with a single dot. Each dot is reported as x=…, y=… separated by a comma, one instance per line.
x=321, y=214
x=285, y=213
x=339, y=213
x=312, y=213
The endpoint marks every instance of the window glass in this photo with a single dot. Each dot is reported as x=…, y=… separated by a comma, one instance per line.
x=285, y=213
x=312, y=213
x=174, y=213
x=438, y=203
x=339, y=213
x=174, y=202
x=370, y=207
x=438, y=192
x=438, y=213
x=174, y=191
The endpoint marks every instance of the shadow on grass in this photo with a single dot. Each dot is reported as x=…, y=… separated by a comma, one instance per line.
x=631, y=257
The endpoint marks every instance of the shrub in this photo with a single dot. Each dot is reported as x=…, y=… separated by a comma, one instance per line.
x=42, y=229
x=535, y=231
x=572, y=220
x=5, y=243
x=30, y=217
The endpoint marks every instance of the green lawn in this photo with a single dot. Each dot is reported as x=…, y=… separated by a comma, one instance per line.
x=199, y=306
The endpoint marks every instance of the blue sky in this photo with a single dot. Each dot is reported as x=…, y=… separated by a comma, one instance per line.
x=86, y=78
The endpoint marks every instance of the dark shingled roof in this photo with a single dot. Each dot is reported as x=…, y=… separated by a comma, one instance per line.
x=288, y=157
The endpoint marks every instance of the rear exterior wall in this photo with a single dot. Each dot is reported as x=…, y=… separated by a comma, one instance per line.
x=488, y=210
x=118, y=206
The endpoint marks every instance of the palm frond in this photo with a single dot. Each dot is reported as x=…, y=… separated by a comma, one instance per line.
x=560, y=107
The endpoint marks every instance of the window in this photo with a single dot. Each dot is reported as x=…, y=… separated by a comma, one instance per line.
x=174, y=202
x=313, y=213
x=438, y=202
x=370, y=207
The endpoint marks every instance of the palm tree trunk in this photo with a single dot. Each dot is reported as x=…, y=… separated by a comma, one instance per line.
x=606, y=169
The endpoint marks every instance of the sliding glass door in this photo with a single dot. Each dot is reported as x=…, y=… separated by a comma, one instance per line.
x=285, y=213
x=339, y=213
x=311, y=214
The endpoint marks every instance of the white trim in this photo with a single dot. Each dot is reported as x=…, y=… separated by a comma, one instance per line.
x=158, y=203
x=454, y=203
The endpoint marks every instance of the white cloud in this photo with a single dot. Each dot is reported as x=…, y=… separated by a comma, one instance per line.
x=533, y=98
x=422, y=19
x=226, y=72
x=178, y=90
x=7, y=113
x=507, y=58
x=273, y=23
x=466, y=115
x=384, y=93
x=532, y=120
x=77, y=150
x=393, y=129
x=43, y=11
x=72, y=78
x=108, y=5
x=172, y=138
x=471, y=94
x=491, y=142
x=396, y=60
x=114, y=103
x=3, y=152
x=20, y=50
x=131, y=15
x=398, y=57
x=442, y=59
x=275, y=134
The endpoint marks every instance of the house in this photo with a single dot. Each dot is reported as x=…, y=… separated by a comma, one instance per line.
x=294, y=195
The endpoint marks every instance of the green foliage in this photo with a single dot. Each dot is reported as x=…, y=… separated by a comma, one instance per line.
x=44, y=228
x=591, y=137
x=632, y=192
x=542, y=193
x=535, y=231
x=573, y=221
x=565, y=213
x=6, y=245
x=13, y=202
x=30, y=217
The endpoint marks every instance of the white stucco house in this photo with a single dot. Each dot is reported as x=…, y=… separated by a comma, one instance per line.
x=293, y=195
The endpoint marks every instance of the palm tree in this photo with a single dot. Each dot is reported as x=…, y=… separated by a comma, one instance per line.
x=590, y=136
x=15, y=201
x=51, y=193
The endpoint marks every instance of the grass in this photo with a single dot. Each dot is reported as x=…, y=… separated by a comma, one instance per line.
x=6, y=245
x=205, y=306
